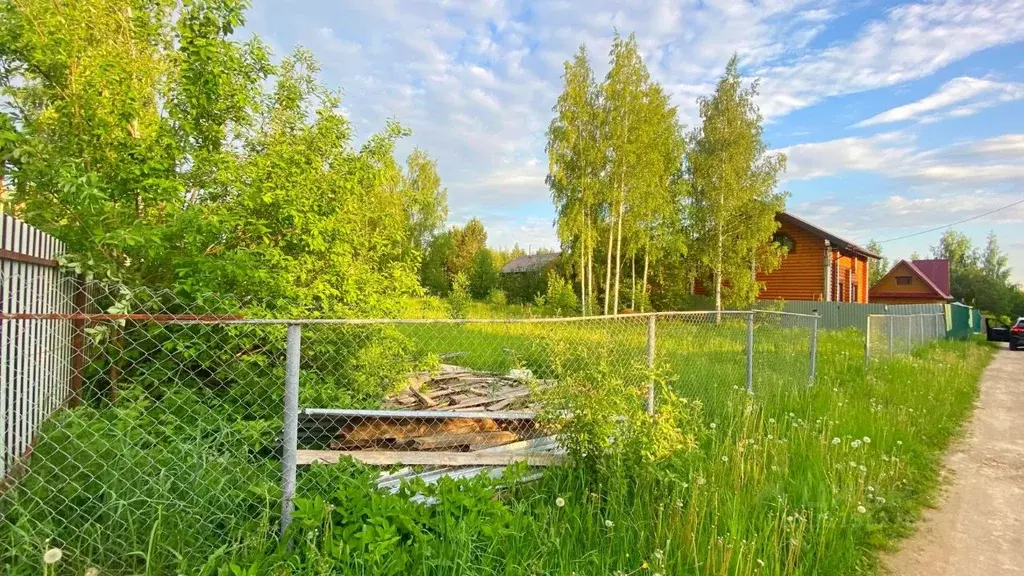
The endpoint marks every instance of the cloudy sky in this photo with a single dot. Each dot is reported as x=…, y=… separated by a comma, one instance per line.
x=896, y=118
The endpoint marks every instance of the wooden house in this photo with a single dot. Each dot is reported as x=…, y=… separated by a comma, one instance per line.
x=914, y=282
x=818, y=265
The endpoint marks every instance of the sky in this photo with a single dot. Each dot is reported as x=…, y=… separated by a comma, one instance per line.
x=895, y=117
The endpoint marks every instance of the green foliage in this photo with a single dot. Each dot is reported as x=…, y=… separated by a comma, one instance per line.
x=484, y=275
x=166, y=152
x=734, y=202
x=980, y=279
x=877, y=268
x=497, y=297
x=559, y=297
x=459, y=298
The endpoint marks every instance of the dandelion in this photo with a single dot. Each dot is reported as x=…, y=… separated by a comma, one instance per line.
x=679, y=504
x=771, y=420
x=770, y=437
x=725, y=458
x=855, y=444
x=714, y=425
x=760, y=563
x=836, y=440
x=608, y=524
x=701, y=481
x=899, y=442
x=659, y=554
x=853, y=464
x=559, y=501
x=871, y=488
x=92, y=571
x=863, y=468
x=880, y=500
x=52, y=556
x=867, y=440
x=861, y=509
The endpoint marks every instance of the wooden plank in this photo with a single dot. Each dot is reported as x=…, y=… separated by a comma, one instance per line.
x=500, y=404
x=423, y=398
x=381, y=429
x=27, y=259
x=390, y=458
x=475, y=440
x=510, y=394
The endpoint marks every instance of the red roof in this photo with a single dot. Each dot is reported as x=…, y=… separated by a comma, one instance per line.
x=936, y=272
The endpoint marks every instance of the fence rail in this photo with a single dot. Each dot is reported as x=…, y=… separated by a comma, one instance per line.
x=35, y=358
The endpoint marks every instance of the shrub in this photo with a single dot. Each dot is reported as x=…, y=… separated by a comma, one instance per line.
x=458, y=298
x=560, y=298
x=497, y=297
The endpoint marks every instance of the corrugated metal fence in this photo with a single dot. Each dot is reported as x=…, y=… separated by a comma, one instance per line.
x=35, y=357
x=837, y=315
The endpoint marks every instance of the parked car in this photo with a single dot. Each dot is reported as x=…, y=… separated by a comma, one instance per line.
x=1016, y=335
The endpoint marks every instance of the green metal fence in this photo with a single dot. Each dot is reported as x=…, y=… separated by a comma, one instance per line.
x=838, y=315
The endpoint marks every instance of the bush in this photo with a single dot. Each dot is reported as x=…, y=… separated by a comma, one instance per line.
x=560, y=298
x=497, y=298
x=459, y=298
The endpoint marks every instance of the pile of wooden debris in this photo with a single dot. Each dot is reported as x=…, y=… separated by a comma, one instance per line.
x=460, y=389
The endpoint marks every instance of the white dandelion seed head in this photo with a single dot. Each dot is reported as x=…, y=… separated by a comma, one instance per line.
x=836, y=440
x=770, y=437
x=608, y=523
x=760, y=562
x=880, y=500
x=899, y=442
x=659, y=554
x=93, y=571
x=701, y=481
x=863, y=468
x=559, y=501
x=771, y=420
x=52, y=556
x=725, y=458
x=871, y=488
x=867, y=440
x=861, y=509
x=714, y=425
x=855, y=444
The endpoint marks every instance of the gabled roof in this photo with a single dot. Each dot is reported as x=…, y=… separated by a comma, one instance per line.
x=936, y=270
x=530, y=262
x=834, y=240
x=912, y=265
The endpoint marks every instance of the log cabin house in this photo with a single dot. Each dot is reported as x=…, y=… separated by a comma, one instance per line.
x=818, y=265
x=914, y=282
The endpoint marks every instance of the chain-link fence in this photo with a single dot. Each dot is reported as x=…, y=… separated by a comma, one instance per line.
x=175, y=432
x=891, y=335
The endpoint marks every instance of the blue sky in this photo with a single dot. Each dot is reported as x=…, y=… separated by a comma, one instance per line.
x=895, y=117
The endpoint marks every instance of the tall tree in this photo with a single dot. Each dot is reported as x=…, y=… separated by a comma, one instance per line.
x=426, y=201
x=877, y=268
x=467, y=241
x=733, y=186
x=575, y=163
x=994, y=263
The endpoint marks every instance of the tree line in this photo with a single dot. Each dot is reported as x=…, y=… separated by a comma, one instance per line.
x=981, y=277
x=632, y=188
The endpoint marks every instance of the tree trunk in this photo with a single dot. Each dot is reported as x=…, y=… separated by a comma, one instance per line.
x=718, y=276
x=590, y=275
x=608, y=267
x=632, y=277
x=583, y=276
x=643, y=289
x=618, y=253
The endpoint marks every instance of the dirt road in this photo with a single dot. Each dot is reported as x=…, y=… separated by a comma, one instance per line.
x=978, y=527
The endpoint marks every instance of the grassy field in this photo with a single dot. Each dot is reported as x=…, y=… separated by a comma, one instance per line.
x=795, y=479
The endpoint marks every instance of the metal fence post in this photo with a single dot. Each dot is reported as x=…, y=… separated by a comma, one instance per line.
x=889, y=322
x=910, y=334
x=867, y=345
x=814, y=347
x=750, y=353
x=291, y=423
x=650, y=362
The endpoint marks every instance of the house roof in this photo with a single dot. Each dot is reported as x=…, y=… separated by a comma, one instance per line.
x=937, y=271
x=530, y=262
x=941, y=288
x=834, y=240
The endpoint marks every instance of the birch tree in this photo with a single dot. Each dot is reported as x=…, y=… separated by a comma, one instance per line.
x=733, y=183
x=575, y=162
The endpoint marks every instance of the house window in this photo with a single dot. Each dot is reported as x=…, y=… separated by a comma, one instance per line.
x=842, y=292
x=786, y=241
x=855, y=297
x=903, y=280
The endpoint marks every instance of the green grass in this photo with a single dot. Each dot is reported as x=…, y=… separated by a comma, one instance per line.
x=184, y=485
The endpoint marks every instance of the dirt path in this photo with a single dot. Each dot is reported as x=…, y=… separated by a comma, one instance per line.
x=978, y=527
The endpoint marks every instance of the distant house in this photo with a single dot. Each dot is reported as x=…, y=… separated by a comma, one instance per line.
x=914, y=282
x=531, y=263
x=818, y=266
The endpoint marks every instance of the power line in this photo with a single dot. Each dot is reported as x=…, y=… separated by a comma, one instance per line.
x=1011, y=205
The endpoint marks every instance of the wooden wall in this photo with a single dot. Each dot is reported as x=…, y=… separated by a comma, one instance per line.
x=887, y=291
x=802, y=273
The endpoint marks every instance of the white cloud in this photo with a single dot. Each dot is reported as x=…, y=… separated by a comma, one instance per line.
x=970, y=94
x=998, y=160
x=476, y=80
